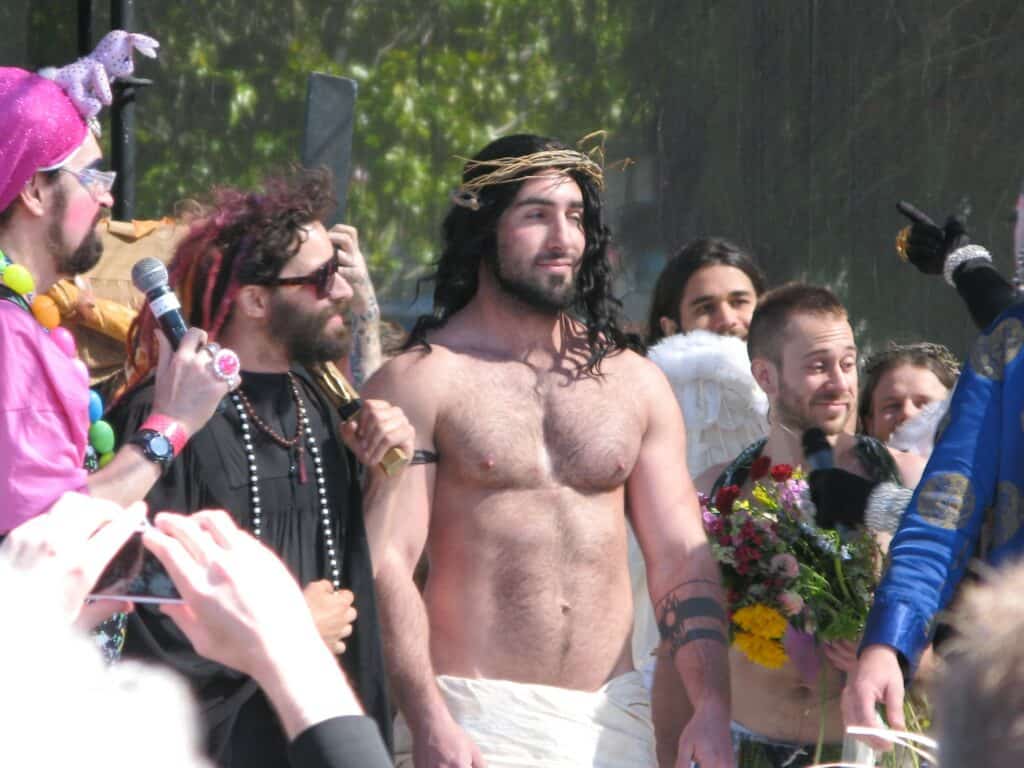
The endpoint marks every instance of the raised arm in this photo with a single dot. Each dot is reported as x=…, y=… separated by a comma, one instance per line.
x=438, y=740
x=683, y=576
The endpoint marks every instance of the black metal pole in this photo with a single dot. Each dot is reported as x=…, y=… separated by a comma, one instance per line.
x=122, y=123
x=84, y=27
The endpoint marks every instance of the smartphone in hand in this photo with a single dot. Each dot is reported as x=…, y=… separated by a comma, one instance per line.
x=135, y=575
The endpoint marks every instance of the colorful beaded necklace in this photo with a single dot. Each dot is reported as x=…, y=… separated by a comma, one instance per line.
x=18, y=286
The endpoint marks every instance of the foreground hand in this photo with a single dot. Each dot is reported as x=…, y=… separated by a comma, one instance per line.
x=842, y=654
x=242, y=607
x=186, y=387
x=377, y=428
x=353, y=267
x=928, y=245
x=445, y=745
x=332, y=612
x=67, y=548
x=706, y=739
x=876, y=679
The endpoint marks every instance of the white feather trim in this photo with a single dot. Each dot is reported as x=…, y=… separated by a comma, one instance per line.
x=917, y=435
x=723, y=407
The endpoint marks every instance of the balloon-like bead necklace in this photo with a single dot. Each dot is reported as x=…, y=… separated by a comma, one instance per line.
x=21, y=288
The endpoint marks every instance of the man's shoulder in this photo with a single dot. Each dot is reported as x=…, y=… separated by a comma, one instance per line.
x=414, y=372
x=626, y=362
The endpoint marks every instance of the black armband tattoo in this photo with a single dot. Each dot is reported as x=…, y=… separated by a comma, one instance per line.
x=425, y=457
x=676, y=612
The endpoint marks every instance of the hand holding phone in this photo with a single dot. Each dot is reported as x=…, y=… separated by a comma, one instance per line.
x=67, y=547
x=135, y=575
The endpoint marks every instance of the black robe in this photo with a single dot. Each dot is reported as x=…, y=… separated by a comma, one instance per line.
x=212, y=473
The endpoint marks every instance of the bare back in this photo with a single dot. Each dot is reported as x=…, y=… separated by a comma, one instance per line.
x=527, y=541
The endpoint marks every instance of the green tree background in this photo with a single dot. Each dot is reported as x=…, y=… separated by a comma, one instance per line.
x=436, y=80
x=791, y=127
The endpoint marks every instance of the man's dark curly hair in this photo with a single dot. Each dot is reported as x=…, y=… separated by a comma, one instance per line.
x=242, y=238
x=470, y=238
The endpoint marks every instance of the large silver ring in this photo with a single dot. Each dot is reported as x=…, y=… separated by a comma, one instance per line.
x=213, y=348
x=226, y=365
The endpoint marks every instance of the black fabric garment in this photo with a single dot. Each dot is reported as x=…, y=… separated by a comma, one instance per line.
x=873, y=456
x=212, y=473
x=985, y=291
x=341, y=742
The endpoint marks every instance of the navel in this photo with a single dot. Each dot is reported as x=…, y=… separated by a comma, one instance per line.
x=565, y=609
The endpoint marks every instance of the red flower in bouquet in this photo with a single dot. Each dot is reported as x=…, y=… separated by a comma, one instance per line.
x=781, y=473
x=760, y=468
x=725, y=498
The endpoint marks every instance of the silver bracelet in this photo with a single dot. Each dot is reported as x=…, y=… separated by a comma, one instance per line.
x=959, y=256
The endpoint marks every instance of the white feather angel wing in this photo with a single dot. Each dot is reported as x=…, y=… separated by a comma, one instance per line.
x=723, y=407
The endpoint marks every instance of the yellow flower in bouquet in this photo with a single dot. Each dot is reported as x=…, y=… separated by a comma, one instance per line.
x=761, y=650
x=761, y=620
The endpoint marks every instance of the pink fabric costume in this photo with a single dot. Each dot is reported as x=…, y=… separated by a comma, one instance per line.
x=44, y=419
x=44, y=395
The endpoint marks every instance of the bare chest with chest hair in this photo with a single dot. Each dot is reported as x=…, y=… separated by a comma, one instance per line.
x=507, y=425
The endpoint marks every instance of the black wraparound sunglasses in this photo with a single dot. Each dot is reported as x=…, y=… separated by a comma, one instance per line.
x=320, y=277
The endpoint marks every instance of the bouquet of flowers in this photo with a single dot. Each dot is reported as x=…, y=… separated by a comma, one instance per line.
x=782, y=570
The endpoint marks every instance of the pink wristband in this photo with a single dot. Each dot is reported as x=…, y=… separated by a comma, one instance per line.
x=174, y=431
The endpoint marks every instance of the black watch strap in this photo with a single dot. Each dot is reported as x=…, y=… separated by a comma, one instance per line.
x=155, y=447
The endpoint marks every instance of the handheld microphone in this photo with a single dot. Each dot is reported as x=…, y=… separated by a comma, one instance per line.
x=149, y=275
x=817, y=450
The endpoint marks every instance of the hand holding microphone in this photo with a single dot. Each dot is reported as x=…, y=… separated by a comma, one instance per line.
x=192, y=377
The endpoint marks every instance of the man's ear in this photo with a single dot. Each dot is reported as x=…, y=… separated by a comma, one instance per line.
x=33, y=196
x=253, y=302
x=669, y=327
x=766, y=374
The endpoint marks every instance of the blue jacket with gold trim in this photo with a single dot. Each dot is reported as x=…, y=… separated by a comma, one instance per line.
x=969, y=498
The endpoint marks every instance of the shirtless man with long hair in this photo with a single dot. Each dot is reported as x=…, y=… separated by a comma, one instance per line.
x=540, y=428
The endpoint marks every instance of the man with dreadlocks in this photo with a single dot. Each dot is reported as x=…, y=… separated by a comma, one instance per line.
x=262, y=274
x=538, y=428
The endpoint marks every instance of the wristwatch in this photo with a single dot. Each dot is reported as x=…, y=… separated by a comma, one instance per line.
x=155, y=447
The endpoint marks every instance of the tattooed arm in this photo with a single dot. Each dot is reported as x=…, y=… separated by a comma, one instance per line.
x=365, y=357
x=682, y=575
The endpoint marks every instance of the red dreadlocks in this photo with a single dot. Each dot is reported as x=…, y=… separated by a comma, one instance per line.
x=243, y=238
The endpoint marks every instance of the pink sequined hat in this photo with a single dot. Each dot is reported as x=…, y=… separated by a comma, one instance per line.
x=41, y=128
x=44, y=120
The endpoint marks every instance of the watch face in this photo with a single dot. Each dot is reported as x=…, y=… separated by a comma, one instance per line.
x=161, y=447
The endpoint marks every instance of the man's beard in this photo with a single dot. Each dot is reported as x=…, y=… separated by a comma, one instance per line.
x=303, y=332
x=795, y=415
x=549, y=294
x=67, y=260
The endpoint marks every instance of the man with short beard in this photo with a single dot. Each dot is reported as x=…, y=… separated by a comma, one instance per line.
x=53, y=191
x=803, y=355
x=262, y=273
x=539, y=430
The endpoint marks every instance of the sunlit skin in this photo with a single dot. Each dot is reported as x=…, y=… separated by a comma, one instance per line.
x=813, y=383
x=816, y=384
x=83, y=211
x=526, y=537
x=255, y=342
x=541, y=240
x=717, y=298
x=900, y=395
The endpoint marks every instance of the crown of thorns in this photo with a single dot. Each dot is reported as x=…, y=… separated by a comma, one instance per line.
x=941, y=354
x=506, y=170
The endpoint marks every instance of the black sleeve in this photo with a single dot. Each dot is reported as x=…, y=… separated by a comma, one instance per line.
x=985, y=291
x=340, y=742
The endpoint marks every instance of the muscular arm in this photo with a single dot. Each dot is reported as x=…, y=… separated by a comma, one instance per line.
x=683, y=575
x=403, y=614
